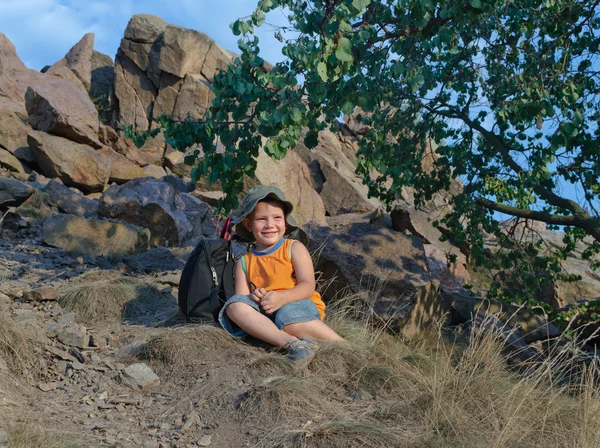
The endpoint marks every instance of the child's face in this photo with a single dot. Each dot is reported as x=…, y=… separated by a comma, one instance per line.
x=267, y=224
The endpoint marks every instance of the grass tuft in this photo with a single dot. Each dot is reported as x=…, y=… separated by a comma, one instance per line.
x=108, y=296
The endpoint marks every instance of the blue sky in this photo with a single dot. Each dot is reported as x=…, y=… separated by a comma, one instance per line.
x=44, y=30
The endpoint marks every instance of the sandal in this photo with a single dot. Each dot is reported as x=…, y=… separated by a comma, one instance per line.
x=301, y=352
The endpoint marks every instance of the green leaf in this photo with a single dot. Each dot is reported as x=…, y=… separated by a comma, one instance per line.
x=322, y=71
x=259, y=18
x=360, y=4
x=296, y=115
x=344, y=50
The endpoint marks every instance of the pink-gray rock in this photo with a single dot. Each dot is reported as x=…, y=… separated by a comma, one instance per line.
x=78, y=61
x=386, y=269
x=93, y=237
x=59, y=107
x=13, y=135
x=183, y=51
x=292, y=176
x=139, y=376
x=10, y=162
x=75, y=164
x=121, y=169
x=150, y=203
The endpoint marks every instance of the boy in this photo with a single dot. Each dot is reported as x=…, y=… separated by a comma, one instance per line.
x=275, y=298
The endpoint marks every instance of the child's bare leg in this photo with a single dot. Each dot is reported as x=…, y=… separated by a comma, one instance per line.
x=313, y=329
x=257, y=324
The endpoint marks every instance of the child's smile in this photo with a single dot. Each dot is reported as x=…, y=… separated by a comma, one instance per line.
x=267, y=224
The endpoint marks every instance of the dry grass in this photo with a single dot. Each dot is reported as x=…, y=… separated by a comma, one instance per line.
x=18, y=355
x=108, y=296
x=29, y=434
x=377, y=391
x=181, y=352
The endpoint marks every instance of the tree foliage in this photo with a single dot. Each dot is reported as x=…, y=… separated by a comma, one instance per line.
x=506, y=90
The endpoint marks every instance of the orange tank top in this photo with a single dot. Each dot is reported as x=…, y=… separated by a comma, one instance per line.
x=274, y=271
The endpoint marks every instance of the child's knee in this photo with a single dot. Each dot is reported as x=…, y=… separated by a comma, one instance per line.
x=237, y=308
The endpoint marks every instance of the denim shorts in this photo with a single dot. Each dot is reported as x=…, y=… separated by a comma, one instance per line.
x=301, y=311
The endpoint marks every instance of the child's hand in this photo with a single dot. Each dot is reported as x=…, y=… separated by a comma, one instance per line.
x=272, y=301
x=258, y=294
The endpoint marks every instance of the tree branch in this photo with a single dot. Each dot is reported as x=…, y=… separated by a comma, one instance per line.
x=589, y=224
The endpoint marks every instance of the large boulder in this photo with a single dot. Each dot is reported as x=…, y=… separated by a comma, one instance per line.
x=57, y=106
x=333, y=177
x=183, y=51
x=386, y=270
x=151, y=203
x=13, y=135
x=74, y=164
x=94, y=237
x=78, y=61
x=13, y=192
x=10, y=162
x=121, y=169
x=292, y=176
x=68, y=201
x=14, y=79
x=164, y=69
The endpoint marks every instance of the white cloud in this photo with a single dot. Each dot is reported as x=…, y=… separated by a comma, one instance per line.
x=44, y=30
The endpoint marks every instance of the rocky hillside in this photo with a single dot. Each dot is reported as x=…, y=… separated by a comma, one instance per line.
x=94, y=233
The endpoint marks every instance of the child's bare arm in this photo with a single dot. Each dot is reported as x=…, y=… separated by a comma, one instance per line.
x=241, y=282
x=305, y=276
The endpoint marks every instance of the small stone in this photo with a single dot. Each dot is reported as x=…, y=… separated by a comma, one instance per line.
x=75, y=335
x=139, y=376
x=204, y=441
x=45, y=293
x=77, y=365
x=47, y=387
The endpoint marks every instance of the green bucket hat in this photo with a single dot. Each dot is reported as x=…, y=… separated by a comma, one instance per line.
x=254, y=196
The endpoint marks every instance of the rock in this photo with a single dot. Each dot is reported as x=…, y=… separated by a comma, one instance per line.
x=45, y=293
x=73, y=335
x=292, y=176
x=387, y=269
x=75, y=165
x=47, y=387
x=183, y=51
x=204, y=441
x=59, y=107
x=333, y=177
x=156, y=259
x=78, y=61
x=139, y=376
x=193, y=98
x=175, y=161
x=154, y=171
x=10, y=162
x=135, y=94
x=151, y=203
x=13, y=192
x=121, y=169
x=526, y=325
x=144, y=28
x=153, y=149
x=217, y=59
x=67, y=201
x=448, y=274
x=14, y=80
x=94, y=237
x=13, y=135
